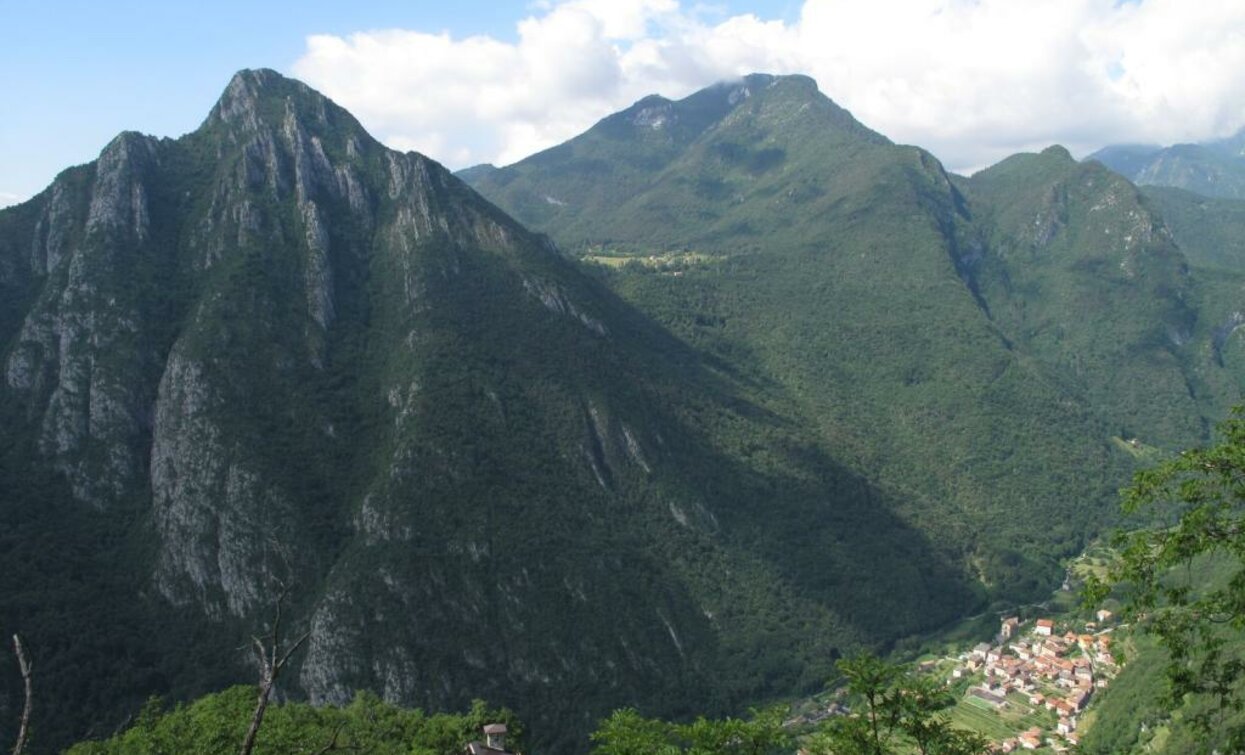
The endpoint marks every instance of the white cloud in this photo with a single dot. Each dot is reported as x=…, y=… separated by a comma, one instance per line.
x=975, y=81
x=9, y=198
x=972, y=80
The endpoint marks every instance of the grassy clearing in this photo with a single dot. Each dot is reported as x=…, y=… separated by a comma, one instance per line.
x=1002, y=723
x=670, y=260
x=1138, y=450
x=972, y=714
x=1096, y=561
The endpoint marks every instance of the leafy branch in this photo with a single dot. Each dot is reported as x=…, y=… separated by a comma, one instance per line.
x=1196, y=506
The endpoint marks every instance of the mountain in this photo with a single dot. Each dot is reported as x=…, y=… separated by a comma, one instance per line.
x=677, y=164
x=778, y=389
x=996, y=350
x=1213, y=169
x=274, y=357
x=1210, y=231
x=809, y=252
x=1085, y=276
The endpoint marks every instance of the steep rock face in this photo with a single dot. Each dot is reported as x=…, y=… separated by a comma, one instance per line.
x=274, y=352
x=81, y=352
x=216, y=518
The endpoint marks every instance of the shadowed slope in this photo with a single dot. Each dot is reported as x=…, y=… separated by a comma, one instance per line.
x=274, y=350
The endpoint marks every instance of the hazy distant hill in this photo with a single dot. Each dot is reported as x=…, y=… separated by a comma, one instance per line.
x=1213, y=169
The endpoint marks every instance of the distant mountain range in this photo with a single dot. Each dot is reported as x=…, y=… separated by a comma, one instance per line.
x=1214, y=169
x=742, y=387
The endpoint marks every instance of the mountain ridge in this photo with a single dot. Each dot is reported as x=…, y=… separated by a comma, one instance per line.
x=275, y=352
x=781, y=391
x=1214, y=168
x=768, y=238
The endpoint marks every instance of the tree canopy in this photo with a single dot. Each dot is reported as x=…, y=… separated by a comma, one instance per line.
x=216, y=723
x=626, y=732
x=895, y=711
x=1195, y=504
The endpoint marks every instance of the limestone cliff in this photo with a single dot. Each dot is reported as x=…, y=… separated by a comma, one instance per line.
x=275, y=352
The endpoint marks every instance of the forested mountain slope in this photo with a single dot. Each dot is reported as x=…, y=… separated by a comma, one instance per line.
x=782, y=390
x=274, y=352
x=984, y=347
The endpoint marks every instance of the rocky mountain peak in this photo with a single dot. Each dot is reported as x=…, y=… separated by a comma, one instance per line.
x=738, y=91
x=275, y=351
x=258, y=100
x=119, y=199
x=239, y=104
x=787, y=104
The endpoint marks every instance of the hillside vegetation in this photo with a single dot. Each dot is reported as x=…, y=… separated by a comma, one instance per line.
x=273, y=352
x=772, y=390
x=216, y=723
x=972, y=345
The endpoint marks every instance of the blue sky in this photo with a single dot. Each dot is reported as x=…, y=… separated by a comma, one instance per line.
x=77, y=72
x=971, y=80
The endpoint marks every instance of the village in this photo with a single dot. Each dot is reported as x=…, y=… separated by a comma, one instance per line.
x=1029, y=669
x=1028, y=689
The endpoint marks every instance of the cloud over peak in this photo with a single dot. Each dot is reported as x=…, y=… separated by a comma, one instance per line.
x=972, y=80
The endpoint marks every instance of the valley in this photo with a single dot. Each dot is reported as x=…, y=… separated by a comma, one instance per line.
x=673, y=415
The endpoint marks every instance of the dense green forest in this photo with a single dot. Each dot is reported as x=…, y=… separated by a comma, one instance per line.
x=899, y=711
x=273, y=352
x=985, y=348
x=216, y=723
x=772, y=391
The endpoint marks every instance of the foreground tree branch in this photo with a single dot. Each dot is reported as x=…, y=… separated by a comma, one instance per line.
x=1195, y=503
x=23, y=663
x=272, y=659
x=332, y=743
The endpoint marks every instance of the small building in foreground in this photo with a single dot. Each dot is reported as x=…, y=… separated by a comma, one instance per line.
x=494, y=742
